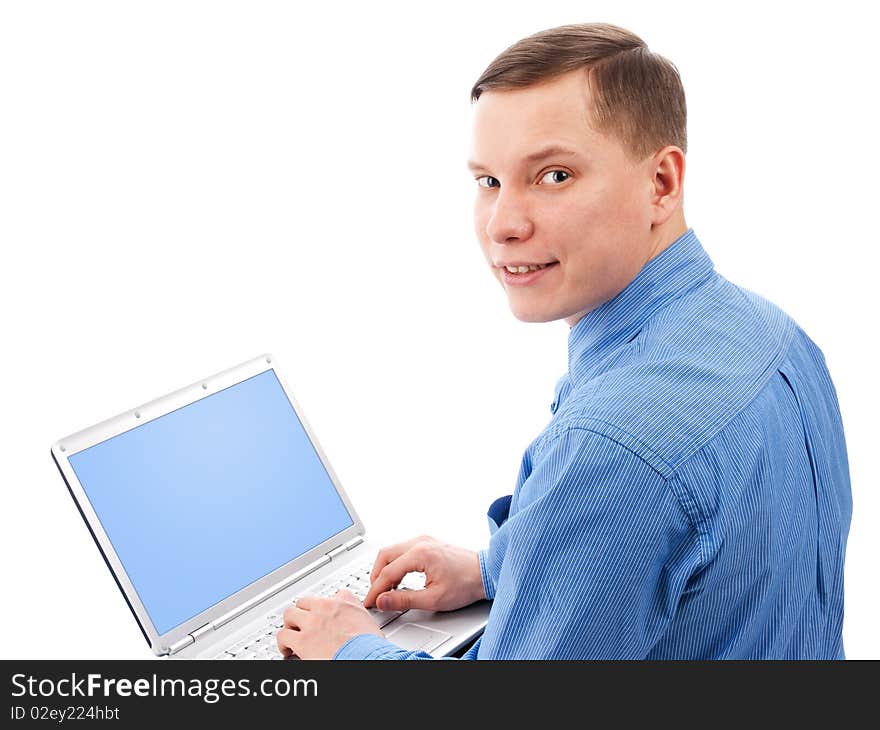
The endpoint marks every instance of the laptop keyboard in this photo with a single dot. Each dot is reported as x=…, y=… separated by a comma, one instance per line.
x=262, y=644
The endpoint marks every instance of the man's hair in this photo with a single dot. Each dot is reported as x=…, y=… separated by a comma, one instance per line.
x=637, y=94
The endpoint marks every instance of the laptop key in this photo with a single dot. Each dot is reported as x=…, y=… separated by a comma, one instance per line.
x=237, y=648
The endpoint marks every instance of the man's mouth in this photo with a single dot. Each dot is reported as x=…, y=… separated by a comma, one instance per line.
x=525, y=268
x=524, y=274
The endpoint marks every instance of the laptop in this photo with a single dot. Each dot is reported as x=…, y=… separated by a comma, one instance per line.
x=215, y=508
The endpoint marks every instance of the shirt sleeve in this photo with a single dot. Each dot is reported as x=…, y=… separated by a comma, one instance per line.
x=593, y=559
x=488, y=583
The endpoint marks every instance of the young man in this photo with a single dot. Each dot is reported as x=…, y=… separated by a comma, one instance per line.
x=690, y=498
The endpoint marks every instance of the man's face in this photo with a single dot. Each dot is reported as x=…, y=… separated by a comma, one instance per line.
x=552, y=191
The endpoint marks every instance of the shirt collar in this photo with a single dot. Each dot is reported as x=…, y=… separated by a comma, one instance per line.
x=678, y=268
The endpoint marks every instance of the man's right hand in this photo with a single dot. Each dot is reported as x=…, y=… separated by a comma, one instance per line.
x=453, y=578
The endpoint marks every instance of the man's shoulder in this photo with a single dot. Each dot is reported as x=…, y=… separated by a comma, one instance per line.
x=692, y=369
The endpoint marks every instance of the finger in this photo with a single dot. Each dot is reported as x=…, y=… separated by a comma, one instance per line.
x=293, y=616
x=389, y=554
x=386, y=555
x=393, y=573
x=286, y=639
x=405, y=600
x=307, y=603
x=347, y=596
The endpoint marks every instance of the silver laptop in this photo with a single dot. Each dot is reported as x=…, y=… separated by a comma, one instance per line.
x=215, y=508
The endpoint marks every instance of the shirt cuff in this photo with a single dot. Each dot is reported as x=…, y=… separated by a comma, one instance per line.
x=488, y=584
x=369, y=646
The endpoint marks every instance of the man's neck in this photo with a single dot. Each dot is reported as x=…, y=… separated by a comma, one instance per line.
x=667, y=234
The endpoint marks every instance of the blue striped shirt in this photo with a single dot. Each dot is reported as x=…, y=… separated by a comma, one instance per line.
x=690, y=497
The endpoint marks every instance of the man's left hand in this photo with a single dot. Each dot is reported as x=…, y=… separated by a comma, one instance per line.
x=316, y=628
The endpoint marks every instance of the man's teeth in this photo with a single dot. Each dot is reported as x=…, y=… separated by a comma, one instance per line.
x=524, y=269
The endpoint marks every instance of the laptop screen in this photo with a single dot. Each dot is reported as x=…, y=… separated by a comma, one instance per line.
x=203, y=501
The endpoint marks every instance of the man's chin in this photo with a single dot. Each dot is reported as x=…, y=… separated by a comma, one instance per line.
x=532, y=315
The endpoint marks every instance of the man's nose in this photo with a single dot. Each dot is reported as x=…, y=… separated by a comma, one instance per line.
x=510, y=220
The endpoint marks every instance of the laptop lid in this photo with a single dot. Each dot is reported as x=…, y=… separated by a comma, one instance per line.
x=207, y=498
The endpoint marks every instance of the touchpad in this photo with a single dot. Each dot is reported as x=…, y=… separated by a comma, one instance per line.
x=414, y=637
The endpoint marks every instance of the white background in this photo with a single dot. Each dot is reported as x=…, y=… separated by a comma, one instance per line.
x=186, y=185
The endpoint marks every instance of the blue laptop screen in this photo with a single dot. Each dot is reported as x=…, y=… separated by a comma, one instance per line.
x=204, y=500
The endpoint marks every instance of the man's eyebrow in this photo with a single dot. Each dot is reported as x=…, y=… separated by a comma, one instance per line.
x=543, y=153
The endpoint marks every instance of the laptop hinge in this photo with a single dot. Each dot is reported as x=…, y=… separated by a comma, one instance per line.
x=191, y=638
x=335, y=553
x=178, y=645
x=201, y=631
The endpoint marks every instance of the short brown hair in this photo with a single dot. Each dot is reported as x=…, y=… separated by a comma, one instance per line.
x=637, y=94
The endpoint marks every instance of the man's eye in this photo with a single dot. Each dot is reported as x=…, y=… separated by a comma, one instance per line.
x=487, y=181
x=555, y=177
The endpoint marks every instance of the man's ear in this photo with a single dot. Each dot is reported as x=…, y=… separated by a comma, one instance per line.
x=667, y=183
